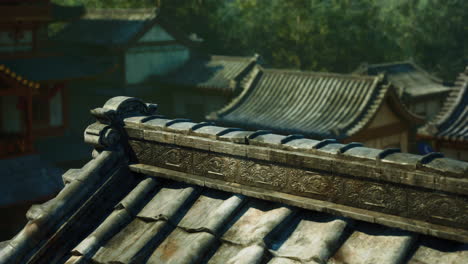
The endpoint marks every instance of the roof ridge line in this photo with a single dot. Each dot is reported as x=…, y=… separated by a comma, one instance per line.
x=294, y=167
x=251, y=77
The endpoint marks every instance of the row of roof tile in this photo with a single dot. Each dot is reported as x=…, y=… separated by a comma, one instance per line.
x=161, y=221
x=452, y=121
x=319, y=105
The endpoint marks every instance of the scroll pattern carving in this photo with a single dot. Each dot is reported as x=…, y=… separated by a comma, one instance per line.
x=314, y=184
x=143, y=151
x=175, y=158
x=439, y=208
x=375, y=196
x=161, y=155
x=262, y=174
x=216, y=166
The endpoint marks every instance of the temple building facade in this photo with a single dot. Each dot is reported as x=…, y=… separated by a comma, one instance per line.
x=29, y=110
x=348, y=108
x=155, y=60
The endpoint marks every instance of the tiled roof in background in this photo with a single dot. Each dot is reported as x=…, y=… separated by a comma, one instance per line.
x=412, y=79
x=117, y=27
x=101, y=32
x=319, y=105
x=452, y=121
x=211, y=72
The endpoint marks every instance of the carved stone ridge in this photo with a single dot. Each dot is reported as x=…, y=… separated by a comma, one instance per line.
x=432, y=190
x=377, y=195
x=101, y=136
x=107, y=132
x=120, y=107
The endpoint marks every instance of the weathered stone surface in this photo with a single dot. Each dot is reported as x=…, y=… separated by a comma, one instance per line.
x=166, y=202
x=427, y=255
x=210, y=211
x=323, y=178
x=310, y=238
x=373, y=244
x=233, y=254
x=297, y=181
x=255, y=222
x=181, y=247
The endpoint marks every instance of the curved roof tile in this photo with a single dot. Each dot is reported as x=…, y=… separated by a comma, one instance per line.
x=213, y=72
x=408, y=76
x=321, y=105
x=452, y=121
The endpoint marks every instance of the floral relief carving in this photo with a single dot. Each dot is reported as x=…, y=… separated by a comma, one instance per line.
x=438, y=208
x=218, y=166
x=173, y=158
x=385, y=198
x=310, y=182
x=143, y=151
x=265, y=174
x=375, y=196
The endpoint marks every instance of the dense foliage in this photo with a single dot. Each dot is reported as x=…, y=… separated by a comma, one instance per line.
x=325, y=35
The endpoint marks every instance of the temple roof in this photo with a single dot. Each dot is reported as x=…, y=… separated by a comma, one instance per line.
x=319, y=105
x=406, y=75
x=116, y=27
x=60, y=67
x=171, y=191
x=452, y=121
x=220, y=73
x=101, y=32
x=15, y=77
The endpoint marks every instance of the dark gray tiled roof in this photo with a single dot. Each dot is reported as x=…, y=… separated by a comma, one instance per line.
x=452, y=121
x=109, y=212
x=60, y=67
x=101, y=32
x=66, y=13
x=406, y=75
x=106, y=26
x=26, y=179
x=318, y=105
x=222, y=73
x=162, y=221
x=116, y=27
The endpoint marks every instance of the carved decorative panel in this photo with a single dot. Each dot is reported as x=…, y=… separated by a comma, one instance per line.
x=375, y=196
x=143, y=151
x=381, y=197
x=175, y=158
x=262, y=174
x=313, y=184
x=215, y=166
x=438, y=208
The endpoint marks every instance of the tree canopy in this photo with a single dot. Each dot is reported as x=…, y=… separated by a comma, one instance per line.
x=324, y=35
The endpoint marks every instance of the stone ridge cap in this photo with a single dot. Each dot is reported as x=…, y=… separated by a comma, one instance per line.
x=133, y=114
x=434, y=163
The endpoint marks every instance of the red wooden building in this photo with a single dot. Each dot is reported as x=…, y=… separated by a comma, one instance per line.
x=32, y=104
x=16, y=117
